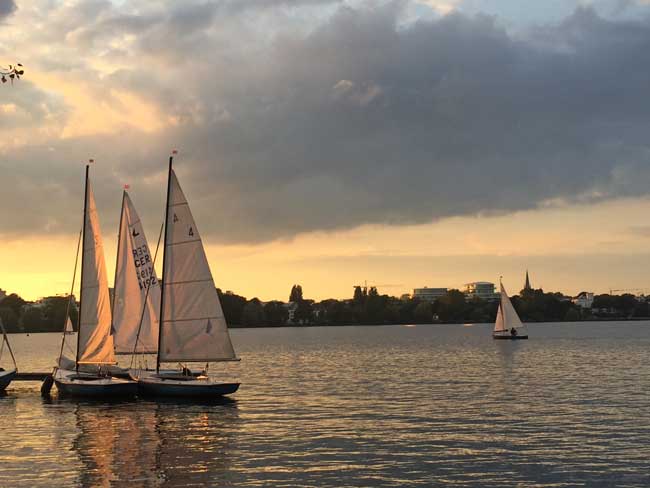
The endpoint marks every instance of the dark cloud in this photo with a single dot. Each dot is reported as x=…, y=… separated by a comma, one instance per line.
x=366, y=120
x=7, y=7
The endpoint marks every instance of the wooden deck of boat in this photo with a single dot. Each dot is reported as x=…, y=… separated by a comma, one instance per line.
x=31, y=376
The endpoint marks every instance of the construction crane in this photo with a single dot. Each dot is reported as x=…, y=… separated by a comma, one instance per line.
x=641, y=290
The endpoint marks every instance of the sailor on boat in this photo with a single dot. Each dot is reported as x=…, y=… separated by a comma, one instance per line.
x=508, y=325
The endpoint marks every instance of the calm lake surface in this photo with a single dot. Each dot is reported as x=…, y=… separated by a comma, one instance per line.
x=427, y=405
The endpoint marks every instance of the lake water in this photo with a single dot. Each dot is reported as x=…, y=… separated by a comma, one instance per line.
x=429, y=405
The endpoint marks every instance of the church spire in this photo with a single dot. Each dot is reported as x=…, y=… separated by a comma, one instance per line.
x=527, y=286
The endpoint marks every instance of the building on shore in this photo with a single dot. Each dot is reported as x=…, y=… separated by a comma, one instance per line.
x=484, y=290
x=291, y=308
x=585, y=299
x=427, y=294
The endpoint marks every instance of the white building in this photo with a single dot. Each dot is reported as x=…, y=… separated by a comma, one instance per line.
x=291, y=310
x=429, y=294
x=584, y=299
x=480, y=289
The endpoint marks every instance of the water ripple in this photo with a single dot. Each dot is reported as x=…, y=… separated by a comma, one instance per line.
x=358, y=406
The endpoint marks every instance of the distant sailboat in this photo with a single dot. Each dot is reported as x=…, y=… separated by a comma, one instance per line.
x=136, y=301
x=6, y=376
x=508, y=325
x=68, y=326
x=192, y=324
x=94, y=339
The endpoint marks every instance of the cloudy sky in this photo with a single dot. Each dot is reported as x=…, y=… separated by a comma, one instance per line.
x=328, y=142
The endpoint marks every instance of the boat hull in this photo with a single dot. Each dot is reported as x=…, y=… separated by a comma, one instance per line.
x=509, y=337
x=194, y=388
x=89, y=386
x=5, y=378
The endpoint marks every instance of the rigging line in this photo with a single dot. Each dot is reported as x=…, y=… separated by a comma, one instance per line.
x=4, y=339
x=67, y=308
x=146, y=297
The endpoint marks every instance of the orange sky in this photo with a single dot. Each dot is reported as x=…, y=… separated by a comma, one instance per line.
x=567, y=249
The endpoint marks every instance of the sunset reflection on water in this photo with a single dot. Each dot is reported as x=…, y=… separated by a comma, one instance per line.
x=360, y=406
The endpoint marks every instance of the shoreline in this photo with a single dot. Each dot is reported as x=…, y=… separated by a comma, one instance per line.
x=298, y=326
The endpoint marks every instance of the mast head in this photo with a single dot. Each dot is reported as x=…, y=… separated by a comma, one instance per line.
x=171, y=158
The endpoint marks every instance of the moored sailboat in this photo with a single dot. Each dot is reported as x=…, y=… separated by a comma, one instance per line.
x=136, y=301
x=6, y=375
x=508, y=325
x=94, y=339
x=192, y=324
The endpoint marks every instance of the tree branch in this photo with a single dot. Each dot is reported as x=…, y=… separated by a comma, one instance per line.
x=12, y=73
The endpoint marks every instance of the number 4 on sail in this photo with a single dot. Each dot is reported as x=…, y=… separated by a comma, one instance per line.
x=192, y=325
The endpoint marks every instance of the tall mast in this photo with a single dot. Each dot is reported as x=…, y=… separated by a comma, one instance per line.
x=83, y=250
x=117, y=262
x=161, y=318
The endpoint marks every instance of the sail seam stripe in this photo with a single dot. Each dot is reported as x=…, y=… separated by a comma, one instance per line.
x=198, y=318
x=184, y=242
x=189, y=281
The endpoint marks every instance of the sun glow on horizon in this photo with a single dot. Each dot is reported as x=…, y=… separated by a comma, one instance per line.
x=558, y=245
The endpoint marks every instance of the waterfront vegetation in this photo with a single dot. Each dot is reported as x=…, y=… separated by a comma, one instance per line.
x=365, y=307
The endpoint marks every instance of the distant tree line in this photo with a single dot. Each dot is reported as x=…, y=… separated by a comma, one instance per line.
x=368, y=307
x=48, y=315
x=365, y=307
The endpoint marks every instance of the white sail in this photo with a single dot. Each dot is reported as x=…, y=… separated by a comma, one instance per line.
x=68, y=326
x=133, y=275
x=95, y=339
x=193, y=327
x=499, y=325
x=509, y=317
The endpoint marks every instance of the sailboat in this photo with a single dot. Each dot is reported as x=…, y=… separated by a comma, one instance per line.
x=192, y=324
x=508, y=325
x=94, y=339
x=6, y=376
x=136, y=300
x=69, y=330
